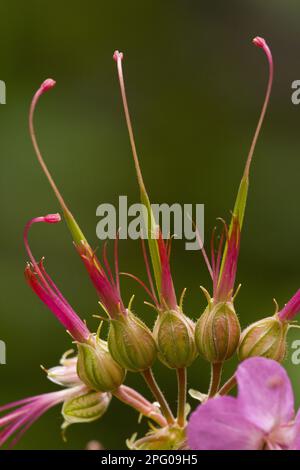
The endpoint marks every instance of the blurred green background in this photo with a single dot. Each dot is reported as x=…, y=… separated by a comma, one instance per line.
x=195, y=85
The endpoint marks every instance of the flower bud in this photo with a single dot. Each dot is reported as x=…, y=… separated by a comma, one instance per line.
x=266, y=337
x=96, y=368
x=217, y=332
x=174, y=334
x=131, y=343
x=169, y=438
x=85, y=408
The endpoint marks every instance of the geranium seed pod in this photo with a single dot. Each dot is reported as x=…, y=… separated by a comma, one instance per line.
x=96, y=367
x=175, y=338
x=85, y=408
x=266, y=338
x=217, y=332
x=131, y=343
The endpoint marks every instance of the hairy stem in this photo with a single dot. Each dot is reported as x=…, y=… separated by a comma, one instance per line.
x=216, y=373
x=159, y=396
x=182, y=386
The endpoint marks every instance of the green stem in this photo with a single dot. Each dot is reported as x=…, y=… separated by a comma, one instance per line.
x=216, y=373
x=229, y=385
x=182, y=386
x=159, y=396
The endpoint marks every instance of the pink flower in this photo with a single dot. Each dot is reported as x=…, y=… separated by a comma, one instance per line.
x=27, y=411
x=262, y=417
x=290, y=309
x=42, y=284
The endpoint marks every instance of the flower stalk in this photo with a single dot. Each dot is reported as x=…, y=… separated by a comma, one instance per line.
x=159, y=396
x=216, y=374
x=182, y=389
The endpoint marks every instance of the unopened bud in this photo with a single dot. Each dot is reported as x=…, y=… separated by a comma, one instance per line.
x=266, y=338
x=85, y=408
x=131, y=343
x=217, y=332
x=174, y=334
x=96, y=368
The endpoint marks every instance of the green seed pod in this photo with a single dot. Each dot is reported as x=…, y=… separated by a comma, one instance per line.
x=131, y=343
x=266, y=338
x=174, y=334
x=96, y=368
x=85, y=408
x=217, y=332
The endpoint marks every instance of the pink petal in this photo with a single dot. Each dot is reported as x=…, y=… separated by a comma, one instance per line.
x=220, y=425
x=265, y=395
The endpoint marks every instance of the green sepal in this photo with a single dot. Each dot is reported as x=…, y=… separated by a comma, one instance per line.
x=131, y=343
x=217, y=332
x=174, y=335
x=96, y=367
x=264, y=338
x=85, y=408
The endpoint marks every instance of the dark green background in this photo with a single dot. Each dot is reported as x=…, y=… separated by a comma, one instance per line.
x=195, y=85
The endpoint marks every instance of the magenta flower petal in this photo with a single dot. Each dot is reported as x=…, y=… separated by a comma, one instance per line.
x=27, y=411
x=260, y=418
x=265, y=394
x=58, y=305
x=45, y=288
x=219, y=425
